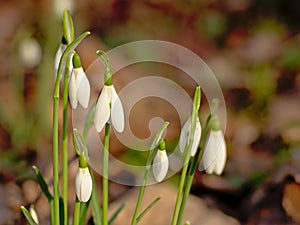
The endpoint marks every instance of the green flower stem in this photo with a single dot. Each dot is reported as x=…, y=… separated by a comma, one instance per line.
x=55, y=160
x=152, y=152
x=76, y=217
x=140, y=197
x=65, y=143
x=192, y=169
x=63, y=62
x=105, y=175
x=180, y=190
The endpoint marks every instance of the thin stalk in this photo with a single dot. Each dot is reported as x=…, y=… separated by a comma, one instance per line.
x=76, y=217
x=192, y=169
x=55, y=160
x=105, y=175
x=63, y=60
x=65, y=143
x=140, y=197
x=180, y=191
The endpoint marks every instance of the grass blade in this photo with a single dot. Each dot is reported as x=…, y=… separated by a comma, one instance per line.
x=115, y=215
x=42, y=183
x=147, y=209
x=96, y=209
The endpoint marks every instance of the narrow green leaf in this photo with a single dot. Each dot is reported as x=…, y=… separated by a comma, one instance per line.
x=29, y=218
x=147, y=209
x=68, y=26
x=79, y=143
x=96, y=209
x=89, y=120
x=42, y=183
x=115, y=215
x=61, y=210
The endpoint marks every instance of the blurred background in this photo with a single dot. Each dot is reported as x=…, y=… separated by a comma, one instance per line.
x=252, y=46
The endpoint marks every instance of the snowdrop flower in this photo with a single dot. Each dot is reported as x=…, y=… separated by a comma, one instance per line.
x=214, y=156
x=61, y=48
x=160, y=164
x=187, y=129
x=185, y=136
x=79, y=86
x=83, y=184
x=108, y=106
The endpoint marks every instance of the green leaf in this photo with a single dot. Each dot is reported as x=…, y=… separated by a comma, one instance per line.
x=42, y=183
x=29, y=218
x=115, y=215
x=89, y=120
x=147, y=209
x=68, y=26
x=61, y=210
x=79, y=143
x=96, y=209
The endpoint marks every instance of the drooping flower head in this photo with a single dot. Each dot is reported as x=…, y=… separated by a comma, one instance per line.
x=79, y=86
x=83, y=180
x=160, y=164
x=108, y=106
x=83, y=184
x=214, y=156
x=191, y=130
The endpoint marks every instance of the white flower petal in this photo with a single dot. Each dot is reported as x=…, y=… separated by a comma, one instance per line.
x=83, y=184
x=160, y=165
x=102, y=111
x=117, y=113
x=184, y=135
x=197, y=137
x=221, y=158
x=214, y=156
x=83, y=91
x=73, y=90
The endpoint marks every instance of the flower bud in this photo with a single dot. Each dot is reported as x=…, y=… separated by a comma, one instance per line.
x=33, y=214
x=83, y=184
x=214, y=156
x=79, y=86
x=160, y=164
